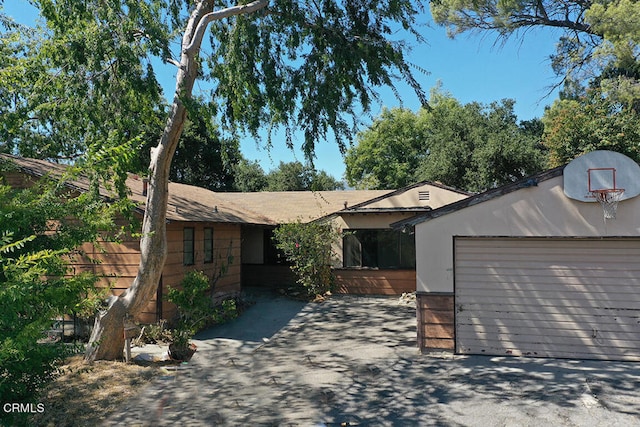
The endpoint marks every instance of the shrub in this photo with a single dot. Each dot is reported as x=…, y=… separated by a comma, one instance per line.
x=40, y=229
x=193, y=304
x=33, y=291
x=308, y=247
x=195, y=308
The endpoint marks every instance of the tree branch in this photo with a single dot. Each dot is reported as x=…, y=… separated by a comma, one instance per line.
x=198, y=34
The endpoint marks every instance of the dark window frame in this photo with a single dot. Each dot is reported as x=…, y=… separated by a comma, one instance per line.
x=378, y=248
x=188, y=246
x=208, y=245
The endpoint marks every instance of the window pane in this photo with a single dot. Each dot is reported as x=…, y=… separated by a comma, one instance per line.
x=188, y=248
x=388, y=249
x=407, y=250
x=352, y=251
x=208, y=245
x=369, y=241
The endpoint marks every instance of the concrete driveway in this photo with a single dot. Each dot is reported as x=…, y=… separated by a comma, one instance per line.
x=353, y=361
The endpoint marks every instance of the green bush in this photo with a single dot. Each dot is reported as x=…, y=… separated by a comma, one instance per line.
x=40, y=229
x=309, y=249
x=33, y=290
x=195, y=309
x=193, y=304
x=227, y=311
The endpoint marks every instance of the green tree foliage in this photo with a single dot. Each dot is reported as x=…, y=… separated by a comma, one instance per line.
x=387, y=154
x=203, y=157
x=288, y=176
x=40, y=229
x=95, y=60
x=471, y=147
x=476, y=147
x=294, y=176
x=249, y=176
x=598, y=56
x=573, y=127
x=82, y=83
x=309, y=249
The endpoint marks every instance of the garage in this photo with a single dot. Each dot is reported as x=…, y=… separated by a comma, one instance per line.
x=548, y=297
x=548, y=266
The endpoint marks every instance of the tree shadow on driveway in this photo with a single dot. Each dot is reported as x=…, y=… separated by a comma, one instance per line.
x=354, y=360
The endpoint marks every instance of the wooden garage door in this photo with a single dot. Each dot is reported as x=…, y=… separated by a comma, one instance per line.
x=567, y=298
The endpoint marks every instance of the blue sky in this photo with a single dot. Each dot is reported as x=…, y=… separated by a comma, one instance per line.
x=470, y=67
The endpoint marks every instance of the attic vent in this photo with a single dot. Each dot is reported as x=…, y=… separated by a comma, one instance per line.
x=423, y=195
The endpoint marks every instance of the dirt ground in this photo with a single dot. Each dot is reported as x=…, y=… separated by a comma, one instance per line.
x=85, y=395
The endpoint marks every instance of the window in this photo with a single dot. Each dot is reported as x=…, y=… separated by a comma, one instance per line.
x=188, y=246
x=379, y=249
x=208, y=245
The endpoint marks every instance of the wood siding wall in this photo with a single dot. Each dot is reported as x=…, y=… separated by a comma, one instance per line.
x=226, y=242
x=18, y=180
x=118, y=264
x=572, y=298
x=436, y=328
x=374, y=282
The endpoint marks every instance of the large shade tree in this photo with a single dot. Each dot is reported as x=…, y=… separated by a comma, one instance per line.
x=387, y=153
x=294, y=176
x=307, y=66
x=476, y=147
x=469, y=146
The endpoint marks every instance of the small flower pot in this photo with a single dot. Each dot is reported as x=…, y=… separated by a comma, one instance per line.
x=181, y=353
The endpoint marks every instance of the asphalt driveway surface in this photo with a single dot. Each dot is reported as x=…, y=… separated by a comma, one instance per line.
x=353, y=361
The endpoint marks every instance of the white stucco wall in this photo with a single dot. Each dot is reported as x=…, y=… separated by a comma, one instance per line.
x=535, y=211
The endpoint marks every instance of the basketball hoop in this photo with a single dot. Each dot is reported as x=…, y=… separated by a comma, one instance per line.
x=609, y=199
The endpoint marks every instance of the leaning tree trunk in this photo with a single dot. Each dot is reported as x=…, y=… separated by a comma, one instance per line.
x=107, y=338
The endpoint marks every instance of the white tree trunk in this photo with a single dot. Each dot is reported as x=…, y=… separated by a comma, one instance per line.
x=107, y=338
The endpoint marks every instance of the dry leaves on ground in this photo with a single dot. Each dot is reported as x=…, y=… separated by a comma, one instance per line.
x=87, y=394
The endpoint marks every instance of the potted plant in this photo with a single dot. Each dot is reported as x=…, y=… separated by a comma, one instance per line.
x=181, y=348
x=194, y=309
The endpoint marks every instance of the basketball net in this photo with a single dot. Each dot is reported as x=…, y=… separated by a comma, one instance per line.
x=609, y=200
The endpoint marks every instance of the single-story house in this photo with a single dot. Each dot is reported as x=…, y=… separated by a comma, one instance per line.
x=535, y=268
x=206, y=229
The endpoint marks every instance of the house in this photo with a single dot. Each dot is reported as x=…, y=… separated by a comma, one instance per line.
x=207, y=229
x=373, y=257
x=535, y=268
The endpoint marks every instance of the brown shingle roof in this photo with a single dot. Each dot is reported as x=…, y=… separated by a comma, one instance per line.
x=289, y=206
x=191, y=203
x=186, y=202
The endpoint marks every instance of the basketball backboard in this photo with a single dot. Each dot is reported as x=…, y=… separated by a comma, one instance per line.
x=601, y=170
